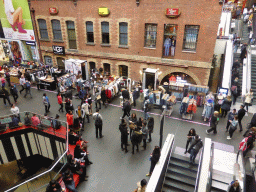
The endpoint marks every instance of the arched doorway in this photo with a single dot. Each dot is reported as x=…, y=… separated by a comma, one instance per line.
x=182, y=76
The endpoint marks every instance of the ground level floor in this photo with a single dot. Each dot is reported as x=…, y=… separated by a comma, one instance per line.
x=193, y=72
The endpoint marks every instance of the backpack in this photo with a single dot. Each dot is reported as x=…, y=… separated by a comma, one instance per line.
x=243, y=144
x=98, y=121
x=127, y=106
x=7, y=75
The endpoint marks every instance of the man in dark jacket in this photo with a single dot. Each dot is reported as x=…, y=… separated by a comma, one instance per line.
x=243, y=52
x=5, y=95
x=126, y=108
x=124, y=135
x=213, y=123
x=125, y=94
x=54, y=186
x=196, y=145
x=69, y=180
x=241, y=114
x=14, y=93
x=230, y=117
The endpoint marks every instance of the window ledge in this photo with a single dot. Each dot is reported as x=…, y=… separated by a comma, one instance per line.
x=72, y=50
x=150, y=47
x=91, y=44
x=123, y=46
x=105, y=45
x=187, y=51
x=58, y=41
x=45, y=40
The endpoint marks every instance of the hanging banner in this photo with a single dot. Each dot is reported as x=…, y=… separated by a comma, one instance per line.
x=16, y=20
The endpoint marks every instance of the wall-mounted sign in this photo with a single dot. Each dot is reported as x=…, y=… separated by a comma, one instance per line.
x=58, y=50
x=31, y=43
x=172, y=12
x=103, y=11
x=53, y=10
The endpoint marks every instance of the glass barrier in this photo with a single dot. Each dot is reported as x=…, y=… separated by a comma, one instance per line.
x=26, y=120
x=209, y=180
x=239, y=170
x=199, y=169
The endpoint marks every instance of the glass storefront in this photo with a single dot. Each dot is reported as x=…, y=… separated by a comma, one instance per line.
x=169, y=46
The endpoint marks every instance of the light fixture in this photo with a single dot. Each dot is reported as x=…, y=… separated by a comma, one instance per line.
x=138, y=2
x=160, y=72
x=140, y=72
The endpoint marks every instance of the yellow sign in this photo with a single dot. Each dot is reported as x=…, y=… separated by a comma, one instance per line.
x=103, y=11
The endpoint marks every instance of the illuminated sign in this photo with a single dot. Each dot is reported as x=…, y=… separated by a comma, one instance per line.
x=172, y=12
x=53, y=11
x=103, y=11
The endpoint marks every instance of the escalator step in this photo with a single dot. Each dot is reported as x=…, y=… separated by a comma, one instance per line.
x=183, y=165
x=178, y=170
x=170, y=189
x=179, y=185
x=219, y=185
x=181, y=178
x=217, y=190
x=181, y=158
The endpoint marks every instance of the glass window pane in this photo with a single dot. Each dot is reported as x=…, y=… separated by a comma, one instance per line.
x=56, y=24
x=123, y=27
x=150, y=35
x=42, y=24
x=123, y=39
x=43, y=28
x=190, y=37
x=89, y=26
x=70, y=24
x=72, y=44
x=105, y=27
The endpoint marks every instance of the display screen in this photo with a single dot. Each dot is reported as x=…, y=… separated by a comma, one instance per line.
x=224, y=91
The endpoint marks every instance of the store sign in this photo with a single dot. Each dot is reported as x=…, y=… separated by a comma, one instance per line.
x=53, y=10
x=172, y=12
x=103, y=11
x=31, y=43
x=58, y=50
x=12, y=27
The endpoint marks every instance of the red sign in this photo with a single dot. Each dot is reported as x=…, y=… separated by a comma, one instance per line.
x=53, y=11
x=172, y=12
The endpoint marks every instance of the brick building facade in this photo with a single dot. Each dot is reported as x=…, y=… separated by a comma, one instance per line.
x=131, y=36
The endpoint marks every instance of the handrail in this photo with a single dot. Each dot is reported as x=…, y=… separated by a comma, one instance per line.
x=199, y=169
x=240, y=152
x=49, y=169
x=169, y=159
x=210, y=168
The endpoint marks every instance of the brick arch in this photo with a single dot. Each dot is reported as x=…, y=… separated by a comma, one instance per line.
x=181, y=70
x=126, y=64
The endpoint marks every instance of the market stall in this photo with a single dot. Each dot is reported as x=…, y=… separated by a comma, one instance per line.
x=76, y=66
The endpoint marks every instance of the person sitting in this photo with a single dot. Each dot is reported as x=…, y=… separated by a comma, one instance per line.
x=74, y=166
x=27, y=119
x=69, y=180
x=54, y=186
x=73, y=137
x=35, y=120
x=15, y=122
x=56, y=123
x=82, y=155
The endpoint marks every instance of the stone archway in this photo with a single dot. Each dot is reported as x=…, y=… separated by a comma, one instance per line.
x=181, y=70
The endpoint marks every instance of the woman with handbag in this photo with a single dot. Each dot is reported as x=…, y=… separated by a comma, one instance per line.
x=248, y=99
x=233, y=127
x=154, y=158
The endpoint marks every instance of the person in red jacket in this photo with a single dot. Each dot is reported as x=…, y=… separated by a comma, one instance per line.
x=70, y=119
x=60, y=102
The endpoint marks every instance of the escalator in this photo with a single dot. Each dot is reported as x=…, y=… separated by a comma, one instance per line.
x=220, y=181
x=180, y=175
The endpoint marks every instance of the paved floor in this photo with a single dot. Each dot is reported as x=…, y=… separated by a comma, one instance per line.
x=112, y=169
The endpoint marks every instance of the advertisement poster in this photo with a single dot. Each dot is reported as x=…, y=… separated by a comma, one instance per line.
x=16, y=20
x=16, y=51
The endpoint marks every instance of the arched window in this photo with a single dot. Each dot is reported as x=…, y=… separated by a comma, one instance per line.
x=106, y=68
x=56, y=30
x=123, y=70
x=43, y=28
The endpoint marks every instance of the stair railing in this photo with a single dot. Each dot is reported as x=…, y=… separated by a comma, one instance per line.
x=199, y=169
x=239, y=170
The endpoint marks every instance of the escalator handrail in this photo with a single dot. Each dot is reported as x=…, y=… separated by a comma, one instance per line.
x=199, y=169
x=240, y=152
x=211, y=167
x=169, y=158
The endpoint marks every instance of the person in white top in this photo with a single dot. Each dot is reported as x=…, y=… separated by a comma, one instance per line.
x=22, y=83
x=14, y=16
x=15, y=110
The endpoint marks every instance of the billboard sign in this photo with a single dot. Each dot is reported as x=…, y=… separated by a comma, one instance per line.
x=16, y=20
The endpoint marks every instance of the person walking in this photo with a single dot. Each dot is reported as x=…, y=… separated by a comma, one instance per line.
x=233, y=126
x=190, y=136
x=225, y=107
x=125, y=94
x=89, y=101
x=126, y=108
x=6, y=95
x=144, y=134
x=154, y=158
x=231, y=116
x=85, y=107
x=124, y=135
x=146, y=109
x=194, y=148
x=103, y=96
x=14, y=93
x=22, y=83
x=135, y=95
x=60, y=102
x=241, y=114
x=150, y=128
x=80, y=113
x=8, y=78
x=213, y=123
x=2, y=81
x=46, y=102
x=27, y=88
x=98, y=100
x=70, y=120
x=98, y=123
x=248, y=99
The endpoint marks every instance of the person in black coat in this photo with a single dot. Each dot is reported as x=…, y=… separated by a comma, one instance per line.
x=213, y=123
x=81, y=154
x=136, y=139
x=54, y=186
x=126, y=108
x=125, y=94
x=103, y=96
x=154, y=158
x=69, y=180
x=75, y=166
x=241, y=114
x=150, y=128
x=124, y=135
x=225, y=107
x=6, y=95
x=14, y=93
x=191, y=134
x=243, y=52
x=194, y=148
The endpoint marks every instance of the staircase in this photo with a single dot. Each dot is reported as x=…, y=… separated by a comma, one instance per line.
x=240, y=80
x=180, y=175
x=220, y=181
x=253, y=75
x=245, y=38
